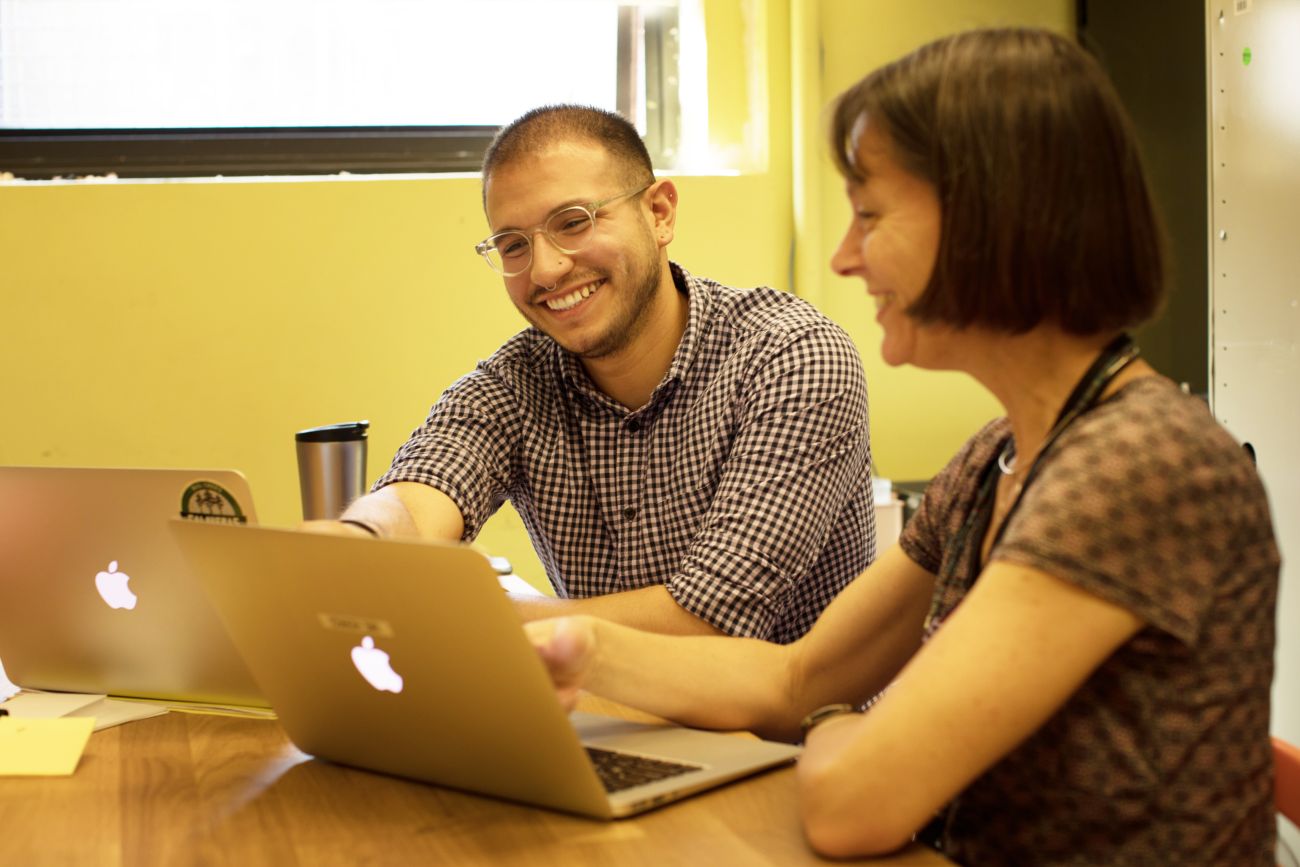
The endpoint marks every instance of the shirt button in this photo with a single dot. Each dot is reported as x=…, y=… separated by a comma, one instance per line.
x=634, y=425
x=629, y=513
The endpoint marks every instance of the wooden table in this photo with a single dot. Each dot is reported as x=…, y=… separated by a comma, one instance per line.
x=191, y=789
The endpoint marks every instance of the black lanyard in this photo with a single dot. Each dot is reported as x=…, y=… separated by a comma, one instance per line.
x=1114, y=358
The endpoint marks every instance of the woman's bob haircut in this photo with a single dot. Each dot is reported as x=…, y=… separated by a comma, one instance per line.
x=1047, y=217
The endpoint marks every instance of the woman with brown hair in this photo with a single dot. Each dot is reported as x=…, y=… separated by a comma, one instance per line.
x=1067, y=657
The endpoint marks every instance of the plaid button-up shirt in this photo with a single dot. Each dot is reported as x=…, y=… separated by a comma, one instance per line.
x=743, y=485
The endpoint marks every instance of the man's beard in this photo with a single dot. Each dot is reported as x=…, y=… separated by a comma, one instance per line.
x=631, y=319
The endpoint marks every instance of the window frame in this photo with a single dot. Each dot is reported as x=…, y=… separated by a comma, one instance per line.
x=645, y=43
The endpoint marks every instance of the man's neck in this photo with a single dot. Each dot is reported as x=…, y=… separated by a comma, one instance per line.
x=631, y=375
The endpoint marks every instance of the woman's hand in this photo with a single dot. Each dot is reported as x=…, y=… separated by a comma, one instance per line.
x=567, y=646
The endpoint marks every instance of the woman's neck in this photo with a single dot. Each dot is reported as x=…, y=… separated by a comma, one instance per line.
x=1033, y=374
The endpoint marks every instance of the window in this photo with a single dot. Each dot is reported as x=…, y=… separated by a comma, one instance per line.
x=188, y=87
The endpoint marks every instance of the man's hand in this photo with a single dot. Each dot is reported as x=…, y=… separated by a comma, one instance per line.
x=567, y=645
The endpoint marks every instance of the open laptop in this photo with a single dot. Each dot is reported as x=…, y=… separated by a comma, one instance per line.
x=95, y=596
x=407, y=658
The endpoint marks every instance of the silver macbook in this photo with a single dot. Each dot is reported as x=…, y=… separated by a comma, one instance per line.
x=95, y=596
x=408, y=659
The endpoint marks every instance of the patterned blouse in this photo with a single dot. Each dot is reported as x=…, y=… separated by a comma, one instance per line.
x=1163, y=755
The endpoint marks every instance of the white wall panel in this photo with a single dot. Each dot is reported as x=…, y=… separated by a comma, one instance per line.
x=1254, y=175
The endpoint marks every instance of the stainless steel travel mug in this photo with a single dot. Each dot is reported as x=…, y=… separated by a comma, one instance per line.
x=331, y=468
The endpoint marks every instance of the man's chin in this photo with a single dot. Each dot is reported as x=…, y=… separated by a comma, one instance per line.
x=582, y=346
x=591, y=350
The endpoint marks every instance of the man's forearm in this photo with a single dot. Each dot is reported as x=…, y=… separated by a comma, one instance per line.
x=649, y=608
x=408, y=510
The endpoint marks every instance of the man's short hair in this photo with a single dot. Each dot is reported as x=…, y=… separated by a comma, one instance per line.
x=1046, y=213
x=532, y=131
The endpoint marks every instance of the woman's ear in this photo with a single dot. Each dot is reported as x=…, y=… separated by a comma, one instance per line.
x=663, y=208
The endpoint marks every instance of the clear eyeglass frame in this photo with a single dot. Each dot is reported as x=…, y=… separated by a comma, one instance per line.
x=568, y=239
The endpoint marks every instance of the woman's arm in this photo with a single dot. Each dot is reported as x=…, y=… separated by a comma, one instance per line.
x=856, y=646
x=1009, y=657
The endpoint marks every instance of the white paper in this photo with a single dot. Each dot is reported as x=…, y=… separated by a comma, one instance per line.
x=512, y=583
x=7, y=687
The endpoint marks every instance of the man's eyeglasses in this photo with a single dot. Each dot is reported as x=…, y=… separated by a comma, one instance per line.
x=569, y=230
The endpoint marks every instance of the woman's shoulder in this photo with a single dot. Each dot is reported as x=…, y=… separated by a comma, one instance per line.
x=1152, y=462
x=1154, y=422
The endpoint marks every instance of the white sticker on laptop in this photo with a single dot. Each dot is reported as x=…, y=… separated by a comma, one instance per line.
x=375, y=667
x=112, y=586
x=208, y=501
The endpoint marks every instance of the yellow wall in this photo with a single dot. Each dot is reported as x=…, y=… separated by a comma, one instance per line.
x=202, y=323
x=918, y=418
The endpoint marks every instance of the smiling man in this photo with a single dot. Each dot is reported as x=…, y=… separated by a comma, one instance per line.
x=687, y=457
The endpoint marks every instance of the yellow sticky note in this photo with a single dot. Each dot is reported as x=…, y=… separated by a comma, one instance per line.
x=42, y=747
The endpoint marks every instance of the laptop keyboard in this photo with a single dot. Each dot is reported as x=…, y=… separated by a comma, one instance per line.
x=619, y=771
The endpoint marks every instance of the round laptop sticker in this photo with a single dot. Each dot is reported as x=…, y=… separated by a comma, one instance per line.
x=208, y=501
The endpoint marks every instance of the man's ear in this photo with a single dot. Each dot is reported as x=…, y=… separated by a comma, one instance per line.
x=662, y=198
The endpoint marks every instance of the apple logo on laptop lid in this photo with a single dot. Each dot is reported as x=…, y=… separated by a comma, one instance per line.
x=374, y=666
x=112, y=586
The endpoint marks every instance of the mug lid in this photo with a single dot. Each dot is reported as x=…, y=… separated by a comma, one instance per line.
x=334, y=433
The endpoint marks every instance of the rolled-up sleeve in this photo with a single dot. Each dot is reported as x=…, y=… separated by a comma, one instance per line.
x=801, y=455
x=464, y=447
